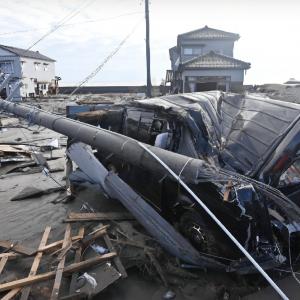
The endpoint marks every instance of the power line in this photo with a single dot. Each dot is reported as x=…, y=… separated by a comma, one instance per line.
x=72, y=24
x=65, y=19
x=108, y=58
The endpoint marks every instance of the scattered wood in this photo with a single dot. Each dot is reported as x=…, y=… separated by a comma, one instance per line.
x=61, y=265
x=55, y=245
x=3, y=261
x=36, y=262
x=49, y=275
x=76, y=260
x=90, y=217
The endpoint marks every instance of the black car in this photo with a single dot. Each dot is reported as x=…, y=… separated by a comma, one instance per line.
x=251, y=145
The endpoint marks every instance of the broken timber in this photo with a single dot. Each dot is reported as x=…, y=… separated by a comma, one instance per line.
x=99, y=216
x=76, y=260
x=33, y=270
x=49, y=275
x=61, y=264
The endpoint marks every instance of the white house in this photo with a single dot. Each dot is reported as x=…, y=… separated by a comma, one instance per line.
x=203, y=60
x=35, y=70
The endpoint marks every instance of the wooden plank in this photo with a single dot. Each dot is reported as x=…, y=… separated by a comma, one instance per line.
x=58, y=244
x=3, y=263
x=34, y=267
x=49, y=275
x=61, y=265
x=36, y=262
x=76, y=260
x=17, y=248
x=11, y=294
x=90, y=217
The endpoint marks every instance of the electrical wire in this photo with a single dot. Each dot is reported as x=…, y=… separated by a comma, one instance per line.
x=73, y=24
x=65, y=19
x=106, y=60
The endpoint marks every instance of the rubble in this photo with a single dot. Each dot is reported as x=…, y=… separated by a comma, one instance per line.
x=152, y=255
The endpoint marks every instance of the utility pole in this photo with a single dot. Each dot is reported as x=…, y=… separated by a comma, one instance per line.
x=149, y=85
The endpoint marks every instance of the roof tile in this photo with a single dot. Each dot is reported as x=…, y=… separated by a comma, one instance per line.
x=213, y=60
x=27, y=53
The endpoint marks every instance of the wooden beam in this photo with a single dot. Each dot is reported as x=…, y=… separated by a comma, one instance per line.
x=90, y=217
x=58, y=244
x=49, y=275
x=36, y=262
x=3, y=263
x=11, y=294
x=61, y=265
x=76, y=260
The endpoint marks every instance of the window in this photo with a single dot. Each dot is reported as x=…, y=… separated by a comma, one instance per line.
x=187, y=51
x=45, y=67
x=6, y=66
x=36, y=65
x=192, y=51
x=291, y=175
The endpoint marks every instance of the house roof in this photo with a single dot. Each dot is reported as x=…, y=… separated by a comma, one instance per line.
x=213, y=60
x=207, y=33
x=27, y=53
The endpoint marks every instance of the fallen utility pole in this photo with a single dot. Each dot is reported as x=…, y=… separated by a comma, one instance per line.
x=149, y=85
x=107, y=141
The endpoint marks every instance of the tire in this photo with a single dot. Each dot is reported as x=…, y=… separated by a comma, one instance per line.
x=194, y=228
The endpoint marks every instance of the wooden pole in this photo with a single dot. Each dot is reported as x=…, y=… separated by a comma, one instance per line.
x=149, y=85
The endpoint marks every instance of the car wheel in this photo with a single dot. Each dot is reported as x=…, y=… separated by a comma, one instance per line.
x=196, y=230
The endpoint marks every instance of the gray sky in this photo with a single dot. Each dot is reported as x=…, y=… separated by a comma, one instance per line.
x=269, y=32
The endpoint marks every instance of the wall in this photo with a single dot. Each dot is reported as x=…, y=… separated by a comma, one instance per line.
x=224, y=47
x=6, y=56
x=29, y=73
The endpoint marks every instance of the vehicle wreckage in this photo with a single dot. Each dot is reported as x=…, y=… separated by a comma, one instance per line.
x=238, y=154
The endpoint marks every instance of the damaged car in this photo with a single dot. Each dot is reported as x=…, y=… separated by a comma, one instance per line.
x=252, y=184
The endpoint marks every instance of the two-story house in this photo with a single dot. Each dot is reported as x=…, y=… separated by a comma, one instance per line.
x=35, y=70
x=203, y=60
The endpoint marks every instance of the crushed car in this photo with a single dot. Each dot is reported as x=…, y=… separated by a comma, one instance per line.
x=251, y=145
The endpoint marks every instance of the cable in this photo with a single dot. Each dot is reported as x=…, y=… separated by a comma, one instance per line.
x=72, y=24
x=62, y=22
x=219, y=223
x=107, y=59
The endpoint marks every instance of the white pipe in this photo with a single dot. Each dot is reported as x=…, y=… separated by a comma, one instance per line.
x=237, y=243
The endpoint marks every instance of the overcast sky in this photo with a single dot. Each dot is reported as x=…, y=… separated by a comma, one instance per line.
x=269, y=31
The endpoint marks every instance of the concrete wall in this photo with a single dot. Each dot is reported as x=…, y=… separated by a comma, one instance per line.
x=224, y=47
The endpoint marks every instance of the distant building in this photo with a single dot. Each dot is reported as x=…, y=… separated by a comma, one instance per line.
x=35, y=70
x=203, y=60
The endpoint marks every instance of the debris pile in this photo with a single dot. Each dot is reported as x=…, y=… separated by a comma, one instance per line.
x=173, y=209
